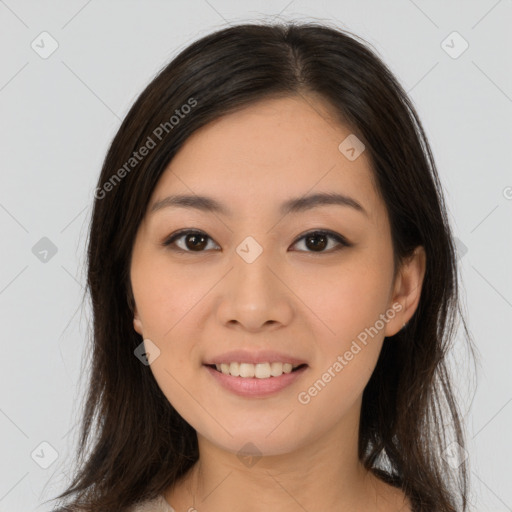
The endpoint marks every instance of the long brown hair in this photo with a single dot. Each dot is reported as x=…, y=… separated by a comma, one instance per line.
x=409, y=416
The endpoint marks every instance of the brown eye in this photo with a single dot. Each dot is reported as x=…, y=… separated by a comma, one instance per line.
x=317, y=241
x=194, y=241
x=197, y=241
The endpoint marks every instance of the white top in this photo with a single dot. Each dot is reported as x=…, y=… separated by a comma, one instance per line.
x=159, y=504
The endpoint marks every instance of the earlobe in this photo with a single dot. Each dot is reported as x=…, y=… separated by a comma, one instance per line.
x=407, y=292
x=137, y=324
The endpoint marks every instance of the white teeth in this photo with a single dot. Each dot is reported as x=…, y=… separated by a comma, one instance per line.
x=262, y=371
x=259, y=370
x=246, y=370
x=233, y=369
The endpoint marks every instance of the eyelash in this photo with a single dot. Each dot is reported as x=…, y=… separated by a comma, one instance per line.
x=343, y=242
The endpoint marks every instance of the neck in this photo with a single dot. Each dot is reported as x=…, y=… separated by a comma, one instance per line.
x=323, y=475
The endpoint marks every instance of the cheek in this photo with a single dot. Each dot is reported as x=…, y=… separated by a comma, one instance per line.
x=164, y=297
x=333, y=392
x=167, y=301
x=349, y=340
x=345, y=300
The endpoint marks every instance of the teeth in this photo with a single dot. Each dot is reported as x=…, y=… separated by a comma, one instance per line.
x=259, y=370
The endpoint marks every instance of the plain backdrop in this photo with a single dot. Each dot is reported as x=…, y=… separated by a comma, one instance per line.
x=69, y=73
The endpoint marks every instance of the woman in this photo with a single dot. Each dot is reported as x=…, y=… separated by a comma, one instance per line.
x=274, y=288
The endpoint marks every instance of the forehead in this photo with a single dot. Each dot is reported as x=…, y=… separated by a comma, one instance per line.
x=267, y=152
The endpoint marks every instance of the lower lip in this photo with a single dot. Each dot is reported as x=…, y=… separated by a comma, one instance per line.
x=254, y=387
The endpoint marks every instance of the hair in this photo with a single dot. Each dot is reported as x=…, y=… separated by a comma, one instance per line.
x=409, y=414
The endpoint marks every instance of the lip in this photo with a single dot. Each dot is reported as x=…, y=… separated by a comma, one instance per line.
x=252, y=386
x=254, y=357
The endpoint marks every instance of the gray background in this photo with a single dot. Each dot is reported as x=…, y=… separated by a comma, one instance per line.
x=60, y=113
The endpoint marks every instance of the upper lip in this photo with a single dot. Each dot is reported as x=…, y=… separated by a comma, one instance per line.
x=254, y=357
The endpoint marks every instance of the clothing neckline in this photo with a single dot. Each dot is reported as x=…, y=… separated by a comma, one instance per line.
x=163, y=501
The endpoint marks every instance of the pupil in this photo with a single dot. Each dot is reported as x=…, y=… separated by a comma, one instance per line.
x=321, y=245
x=194, y=238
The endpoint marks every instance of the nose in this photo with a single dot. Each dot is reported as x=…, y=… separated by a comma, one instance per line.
x=254, y=296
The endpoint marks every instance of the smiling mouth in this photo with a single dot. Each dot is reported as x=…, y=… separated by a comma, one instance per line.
x=258, y=371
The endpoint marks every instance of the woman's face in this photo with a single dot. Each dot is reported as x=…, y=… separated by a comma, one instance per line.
x=254, y=283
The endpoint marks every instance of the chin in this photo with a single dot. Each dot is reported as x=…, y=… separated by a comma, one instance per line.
x=254, y=442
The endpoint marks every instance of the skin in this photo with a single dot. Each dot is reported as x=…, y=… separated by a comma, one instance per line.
x=196, y=305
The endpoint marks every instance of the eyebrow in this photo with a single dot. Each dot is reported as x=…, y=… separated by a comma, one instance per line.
x=295, y=205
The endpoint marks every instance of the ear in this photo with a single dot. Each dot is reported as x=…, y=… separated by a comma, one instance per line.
x=407, y=290
x=137, y=324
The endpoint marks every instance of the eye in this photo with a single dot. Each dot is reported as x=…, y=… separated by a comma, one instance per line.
x=196, y=241
x=319, y=240
x=193, y=239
